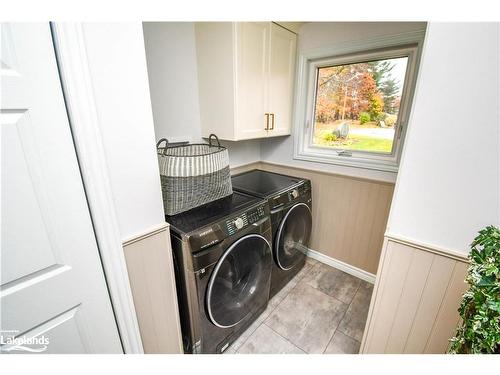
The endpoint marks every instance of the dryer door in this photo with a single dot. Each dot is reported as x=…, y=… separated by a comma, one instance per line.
x=239, y=283
x=292, y=236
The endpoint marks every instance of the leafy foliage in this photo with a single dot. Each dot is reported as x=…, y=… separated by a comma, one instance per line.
x=364, y=117
x=345, y=91
x=329, y=137
x=376, y=106
x=390, y=89
x=479, y=331
x=380, y=70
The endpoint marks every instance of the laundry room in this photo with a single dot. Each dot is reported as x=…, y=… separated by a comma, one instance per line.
x=250, y=187
x=237, y=87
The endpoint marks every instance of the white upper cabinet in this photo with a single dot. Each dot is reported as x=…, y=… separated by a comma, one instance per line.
x=281, y=79
x=251, y=89
x=246, y=73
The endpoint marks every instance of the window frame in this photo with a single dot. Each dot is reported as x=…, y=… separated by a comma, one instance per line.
x=404, y=45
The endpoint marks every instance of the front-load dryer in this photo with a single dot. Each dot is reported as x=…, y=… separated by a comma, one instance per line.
x=290, y=203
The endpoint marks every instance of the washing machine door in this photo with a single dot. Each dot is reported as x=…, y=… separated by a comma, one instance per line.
x=239, y=283
x=292, y=236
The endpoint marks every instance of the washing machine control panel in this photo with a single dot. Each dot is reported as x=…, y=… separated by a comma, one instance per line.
x=236, y=223
x=241, y=221
x=257, y=214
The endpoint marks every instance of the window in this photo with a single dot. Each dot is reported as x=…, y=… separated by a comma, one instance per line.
x=356, y=106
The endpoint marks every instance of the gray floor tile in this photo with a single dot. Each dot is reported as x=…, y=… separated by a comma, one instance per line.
x=303, y=315
x=265, y=341
x=353, y=323
x=342, y=344
x=306, y=269
x=251, y=329
x=239, y=341
x=333, y=282
x=307, y=317
x=230, y=350
x=276, y=300
x=365, y=291
x=273, y=303
x=311, y=261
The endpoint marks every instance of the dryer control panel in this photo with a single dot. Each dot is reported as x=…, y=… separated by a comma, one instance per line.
x=300, y=191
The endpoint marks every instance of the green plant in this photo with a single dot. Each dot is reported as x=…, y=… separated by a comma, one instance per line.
x=376, y=106
x=330, y=137
x=364, y=117
x=479, y=331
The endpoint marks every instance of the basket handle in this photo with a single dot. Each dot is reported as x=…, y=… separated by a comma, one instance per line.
x=210, y=140
x=158, y=144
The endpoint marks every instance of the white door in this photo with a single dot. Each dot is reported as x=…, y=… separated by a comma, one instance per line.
x=252, y=72
x=52, y=282
x=281, y=78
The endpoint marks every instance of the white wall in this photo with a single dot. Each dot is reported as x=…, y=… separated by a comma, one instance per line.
x=448, y=186
x=243, y=152
x=318, y=35
x=173, y=80
x=119, y=77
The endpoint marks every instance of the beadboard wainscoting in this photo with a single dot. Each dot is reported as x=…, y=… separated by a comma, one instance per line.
x=415, y=299
x=151, y=273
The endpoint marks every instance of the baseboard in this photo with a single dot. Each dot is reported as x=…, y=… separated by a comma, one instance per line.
x=347, y=268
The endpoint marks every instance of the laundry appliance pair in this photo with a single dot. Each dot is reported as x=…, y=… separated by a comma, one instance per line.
x=232, y=255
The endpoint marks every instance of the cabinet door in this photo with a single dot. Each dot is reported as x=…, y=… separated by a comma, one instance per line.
x=281, y=78
x=252, y=76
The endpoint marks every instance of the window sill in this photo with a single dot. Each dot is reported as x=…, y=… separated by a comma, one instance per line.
x=347, y=161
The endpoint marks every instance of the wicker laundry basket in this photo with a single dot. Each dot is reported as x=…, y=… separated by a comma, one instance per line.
x=192, y=175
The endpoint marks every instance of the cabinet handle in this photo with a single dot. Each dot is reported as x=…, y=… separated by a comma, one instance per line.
x=272, y=121
x=267, y=121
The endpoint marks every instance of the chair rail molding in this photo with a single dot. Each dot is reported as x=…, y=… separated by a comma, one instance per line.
x=74, y=71
x=450, y=253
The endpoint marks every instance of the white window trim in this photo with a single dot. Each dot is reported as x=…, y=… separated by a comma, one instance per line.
x=407, y=44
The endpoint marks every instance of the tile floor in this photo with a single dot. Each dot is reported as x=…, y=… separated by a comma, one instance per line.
x=321, y=310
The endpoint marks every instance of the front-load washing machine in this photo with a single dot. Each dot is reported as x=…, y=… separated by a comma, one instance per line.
x=290, y=203
x=223, y=261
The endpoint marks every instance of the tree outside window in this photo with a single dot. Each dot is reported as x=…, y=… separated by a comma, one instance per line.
x=357, y=105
